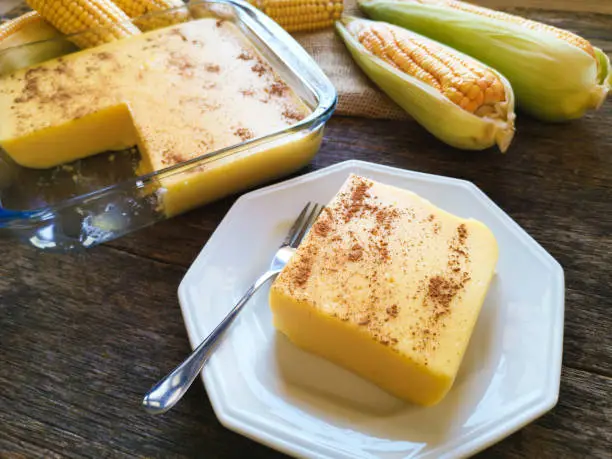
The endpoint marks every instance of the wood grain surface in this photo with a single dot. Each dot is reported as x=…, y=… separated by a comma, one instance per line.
x=84, y=335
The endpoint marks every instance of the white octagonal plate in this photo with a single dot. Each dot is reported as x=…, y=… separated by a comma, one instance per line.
x=262, y=386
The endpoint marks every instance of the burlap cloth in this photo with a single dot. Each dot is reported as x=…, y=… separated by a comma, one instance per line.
x=357, y=95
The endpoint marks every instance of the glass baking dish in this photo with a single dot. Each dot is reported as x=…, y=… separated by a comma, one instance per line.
x=100, y=198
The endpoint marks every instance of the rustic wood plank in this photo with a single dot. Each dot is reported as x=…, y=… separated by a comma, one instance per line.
x=83, y=337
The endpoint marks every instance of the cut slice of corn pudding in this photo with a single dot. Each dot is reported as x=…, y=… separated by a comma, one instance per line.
x=389, y=286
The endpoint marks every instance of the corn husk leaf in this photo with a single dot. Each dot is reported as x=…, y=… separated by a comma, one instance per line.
x=35, y=43
x=552, y=79
x=436, y=113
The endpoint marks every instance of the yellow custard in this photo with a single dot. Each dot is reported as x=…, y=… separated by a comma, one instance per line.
x=389, y=286
x=176, y=93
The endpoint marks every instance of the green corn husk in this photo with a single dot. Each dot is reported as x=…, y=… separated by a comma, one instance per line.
x=553, y=79
x=430, y=108
x=36, y=43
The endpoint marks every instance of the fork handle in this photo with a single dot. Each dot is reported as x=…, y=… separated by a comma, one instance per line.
x=169, y=390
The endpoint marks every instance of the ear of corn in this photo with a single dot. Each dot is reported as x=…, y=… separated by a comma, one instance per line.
x=42, y=39
x=152, y=8
x=103, y=20
x=459, y=100
x=301, y=15
x=556, y=74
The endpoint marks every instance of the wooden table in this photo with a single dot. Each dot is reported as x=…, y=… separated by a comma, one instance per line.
x=83, y=336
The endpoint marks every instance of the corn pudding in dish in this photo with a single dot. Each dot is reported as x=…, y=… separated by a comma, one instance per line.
x=389, y=286
x=176, y=93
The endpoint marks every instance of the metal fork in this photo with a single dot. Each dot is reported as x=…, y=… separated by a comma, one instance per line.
x=169, y=390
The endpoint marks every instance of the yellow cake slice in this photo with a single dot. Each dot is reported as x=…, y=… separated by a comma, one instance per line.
x=389, y=286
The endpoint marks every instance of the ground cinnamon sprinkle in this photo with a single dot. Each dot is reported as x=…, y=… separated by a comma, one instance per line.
x=441, y=291
x=356, y=253
x=355, y=204
x=245, y=56
x=303, y=268
x=393, y=310
x=462, y=232
x=171, y=158
x=244, y=133
x=382, y=247
x=259, y=69
x=385, y=217
x=322, y=228
x=458, y=250
x=278, y=88
x=293, y=115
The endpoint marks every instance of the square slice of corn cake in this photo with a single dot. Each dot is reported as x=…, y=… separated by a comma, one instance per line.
x=389, y=286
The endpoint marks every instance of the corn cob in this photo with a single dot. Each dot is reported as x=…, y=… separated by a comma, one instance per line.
x=301, y=15
x=43, y=40
x=102, y=19
x=458, y=99
x=156, y=18
x=556, y=75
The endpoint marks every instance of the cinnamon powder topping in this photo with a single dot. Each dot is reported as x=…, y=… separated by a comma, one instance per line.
x=244, y=133
x=293, y=115
x=259, y=69
x=355, y=204
x=245, y=56
x=322, y=228
x=393, y=310
x=303, y=268
x=441, y=291
x=278, y=88
x=170, y=158
x=213, y=68
x=356, y=253
x=462, y=233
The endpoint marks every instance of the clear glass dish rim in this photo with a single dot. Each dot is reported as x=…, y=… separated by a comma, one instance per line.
x=319, y=84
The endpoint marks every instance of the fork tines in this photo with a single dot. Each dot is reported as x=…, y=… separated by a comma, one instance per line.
x=302, y=224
